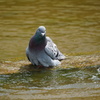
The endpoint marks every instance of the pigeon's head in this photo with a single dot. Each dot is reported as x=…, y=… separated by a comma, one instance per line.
x=41, y=31
x=38, y=41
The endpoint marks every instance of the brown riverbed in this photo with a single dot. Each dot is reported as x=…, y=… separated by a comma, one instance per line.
x=9, y=67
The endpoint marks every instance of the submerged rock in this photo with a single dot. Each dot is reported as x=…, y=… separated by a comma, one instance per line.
x=7, y=67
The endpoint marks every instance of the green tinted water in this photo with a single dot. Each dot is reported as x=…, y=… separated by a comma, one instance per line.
x=73, y=25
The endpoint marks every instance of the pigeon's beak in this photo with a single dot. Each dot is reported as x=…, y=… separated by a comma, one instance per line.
x=42, y=34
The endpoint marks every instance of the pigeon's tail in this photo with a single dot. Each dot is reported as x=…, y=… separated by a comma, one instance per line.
x=60, y=56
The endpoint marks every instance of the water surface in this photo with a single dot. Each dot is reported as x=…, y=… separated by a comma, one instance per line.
x=74, y=25
x=58, y=84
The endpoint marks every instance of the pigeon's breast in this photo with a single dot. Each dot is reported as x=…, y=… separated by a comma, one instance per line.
x=37, y=43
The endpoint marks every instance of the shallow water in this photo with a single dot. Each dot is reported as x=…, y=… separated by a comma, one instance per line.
x=73, y=25
x=58, y=84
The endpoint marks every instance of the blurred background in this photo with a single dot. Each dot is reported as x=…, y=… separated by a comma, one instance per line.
x=74, y=25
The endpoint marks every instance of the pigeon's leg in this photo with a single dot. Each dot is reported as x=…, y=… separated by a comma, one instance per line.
x=40, y=66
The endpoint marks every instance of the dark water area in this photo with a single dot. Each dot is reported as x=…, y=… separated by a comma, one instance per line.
x=74, y=25
x=56, y=84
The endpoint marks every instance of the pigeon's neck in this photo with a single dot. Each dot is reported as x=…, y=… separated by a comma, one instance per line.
x=37, y=43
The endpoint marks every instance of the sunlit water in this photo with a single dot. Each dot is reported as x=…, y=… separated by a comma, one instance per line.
x=74, y=25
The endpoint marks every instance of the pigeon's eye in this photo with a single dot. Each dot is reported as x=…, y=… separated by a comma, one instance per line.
x=42, y=30
x=39, y=29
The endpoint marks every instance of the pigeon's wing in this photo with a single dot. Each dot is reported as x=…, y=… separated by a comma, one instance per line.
x=52, y=50
x=27, y=53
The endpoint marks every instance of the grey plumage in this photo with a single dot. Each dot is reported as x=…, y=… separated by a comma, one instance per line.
x=42, y=50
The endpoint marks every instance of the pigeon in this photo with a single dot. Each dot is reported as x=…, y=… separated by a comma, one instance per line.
x=42, y=51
